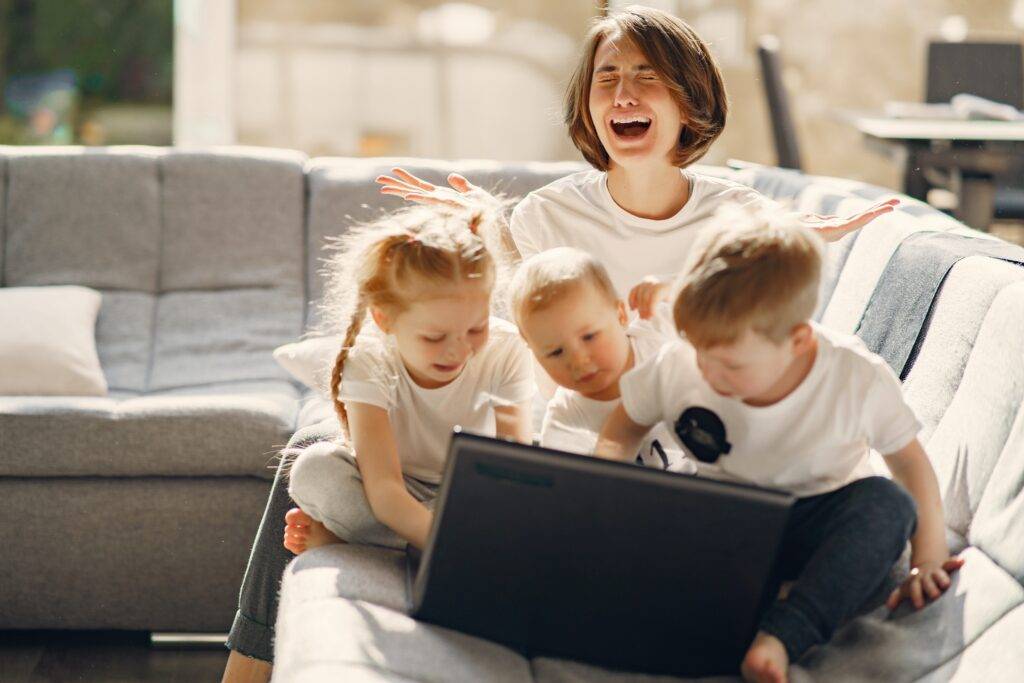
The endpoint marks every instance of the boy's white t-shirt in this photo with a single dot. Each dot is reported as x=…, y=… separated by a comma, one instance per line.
x=578, y=211
x=500, y=373
x=815, y=440
x=572, y=421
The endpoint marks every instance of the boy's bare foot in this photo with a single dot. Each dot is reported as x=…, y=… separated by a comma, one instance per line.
x=766, y=661
x=302, y=532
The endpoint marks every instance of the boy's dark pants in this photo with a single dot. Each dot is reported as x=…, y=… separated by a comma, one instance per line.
x=839, y=547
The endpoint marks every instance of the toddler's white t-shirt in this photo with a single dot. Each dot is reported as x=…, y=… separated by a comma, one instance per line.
x=815, y=440
x=578, y=211
x=572, y=421
x=500, y=373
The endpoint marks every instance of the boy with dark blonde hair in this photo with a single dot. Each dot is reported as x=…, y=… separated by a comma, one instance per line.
x=762, y=395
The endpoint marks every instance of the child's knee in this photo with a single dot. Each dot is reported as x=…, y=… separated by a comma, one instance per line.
x=891, y=503
x=318, y=471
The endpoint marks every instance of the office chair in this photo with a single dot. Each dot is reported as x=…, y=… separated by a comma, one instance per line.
x=787, y=151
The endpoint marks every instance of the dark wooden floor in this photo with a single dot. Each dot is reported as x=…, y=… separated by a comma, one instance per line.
x=102, y=657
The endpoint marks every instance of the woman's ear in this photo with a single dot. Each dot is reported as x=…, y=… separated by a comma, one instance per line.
x=381, y=319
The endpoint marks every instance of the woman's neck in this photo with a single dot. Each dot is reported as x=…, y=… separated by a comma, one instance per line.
x=656, y=193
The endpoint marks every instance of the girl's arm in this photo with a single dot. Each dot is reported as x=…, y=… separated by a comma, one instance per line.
x=930, y=557
x=620, y=437
x=377, y=457
x=514, y=422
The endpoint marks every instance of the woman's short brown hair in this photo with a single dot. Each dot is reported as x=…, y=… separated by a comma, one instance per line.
x=681, y=60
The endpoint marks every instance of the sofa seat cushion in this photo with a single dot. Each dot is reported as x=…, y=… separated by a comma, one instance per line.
x=170, y=433
x=342, y=617
x=342, y=612
x=907, y=644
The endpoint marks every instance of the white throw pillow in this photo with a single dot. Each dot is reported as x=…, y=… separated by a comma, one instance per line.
x=48, y=342
x=310, y=361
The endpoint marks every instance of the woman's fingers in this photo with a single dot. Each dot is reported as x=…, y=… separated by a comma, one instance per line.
x=459, y=183
x=412, y=180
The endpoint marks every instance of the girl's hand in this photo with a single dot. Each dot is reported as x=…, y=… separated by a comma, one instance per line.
x=461, y=194
x=834, y=228
x=927, y=581
x=645, y=297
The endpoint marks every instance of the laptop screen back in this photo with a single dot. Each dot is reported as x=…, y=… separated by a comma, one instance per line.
x=563, y=555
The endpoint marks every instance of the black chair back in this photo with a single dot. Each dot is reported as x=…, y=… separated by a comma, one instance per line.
x=994, y=71
x=787, y=150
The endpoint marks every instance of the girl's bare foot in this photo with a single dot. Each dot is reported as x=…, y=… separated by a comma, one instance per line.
x=766, y=661
x=302, y=532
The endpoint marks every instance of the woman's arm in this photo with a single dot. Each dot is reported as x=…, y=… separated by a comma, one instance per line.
x=930, y=557
x=377, y=457
x=514, y=422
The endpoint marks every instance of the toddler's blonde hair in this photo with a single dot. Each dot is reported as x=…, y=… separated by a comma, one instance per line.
x=545, y=277
x=401, y=258
x=757, y=270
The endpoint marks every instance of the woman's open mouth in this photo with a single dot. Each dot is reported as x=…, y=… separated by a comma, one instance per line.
x=630, y=127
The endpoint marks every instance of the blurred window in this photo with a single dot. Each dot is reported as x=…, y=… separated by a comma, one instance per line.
x=86, y=71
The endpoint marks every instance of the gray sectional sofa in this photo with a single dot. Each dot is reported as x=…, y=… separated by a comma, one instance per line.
x=341, y=615
x=137, y=510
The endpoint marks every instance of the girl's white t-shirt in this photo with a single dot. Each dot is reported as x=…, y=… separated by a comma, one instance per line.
x=578, y=211
x=573, y=421
x=499, y=374
x=815, y=440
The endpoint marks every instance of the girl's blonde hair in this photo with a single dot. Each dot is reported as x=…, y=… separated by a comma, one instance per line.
x=399, y=259
x=759, y=270
x=546, y=277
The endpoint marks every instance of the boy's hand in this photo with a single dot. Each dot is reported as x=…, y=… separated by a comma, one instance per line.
x=461, y=194
x=834, y=228
x=646, y=296
x=927, y=581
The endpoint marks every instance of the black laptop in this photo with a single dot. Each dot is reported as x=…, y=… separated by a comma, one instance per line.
x=615, y=564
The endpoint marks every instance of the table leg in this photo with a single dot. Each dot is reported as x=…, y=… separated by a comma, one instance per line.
x=977, y=200
x=914, y=183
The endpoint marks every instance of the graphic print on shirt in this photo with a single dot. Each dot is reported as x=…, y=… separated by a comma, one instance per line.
x=703, y=434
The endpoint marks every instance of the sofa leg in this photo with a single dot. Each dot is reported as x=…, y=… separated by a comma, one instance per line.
x=187, y=641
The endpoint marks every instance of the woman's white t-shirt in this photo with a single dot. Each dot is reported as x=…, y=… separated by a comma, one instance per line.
x=815, y=440
x=573, y=421
x=578, y=211
x=499, y=374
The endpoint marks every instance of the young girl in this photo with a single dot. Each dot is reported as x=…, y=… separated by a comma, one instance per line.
x=645, y=102
x=433, y=358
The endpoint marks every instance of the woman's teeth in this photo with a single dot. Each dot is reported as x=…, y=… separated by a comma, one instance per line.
x=630, y=126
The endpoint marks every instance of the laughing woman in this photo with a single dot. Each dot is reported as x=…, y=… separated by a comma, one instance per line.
x=646, y=102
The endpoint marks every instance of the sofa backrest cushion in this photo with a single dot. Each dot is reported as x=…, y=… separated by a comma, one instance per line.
x=199, y=255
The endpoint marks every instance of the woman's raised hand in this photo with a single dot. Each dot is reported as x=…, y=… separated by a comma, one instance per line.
x=834, y=228
x=461, y=194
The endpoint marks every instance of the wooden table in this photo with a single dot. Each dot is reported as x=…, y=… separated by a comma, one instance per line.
x=977, y=151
